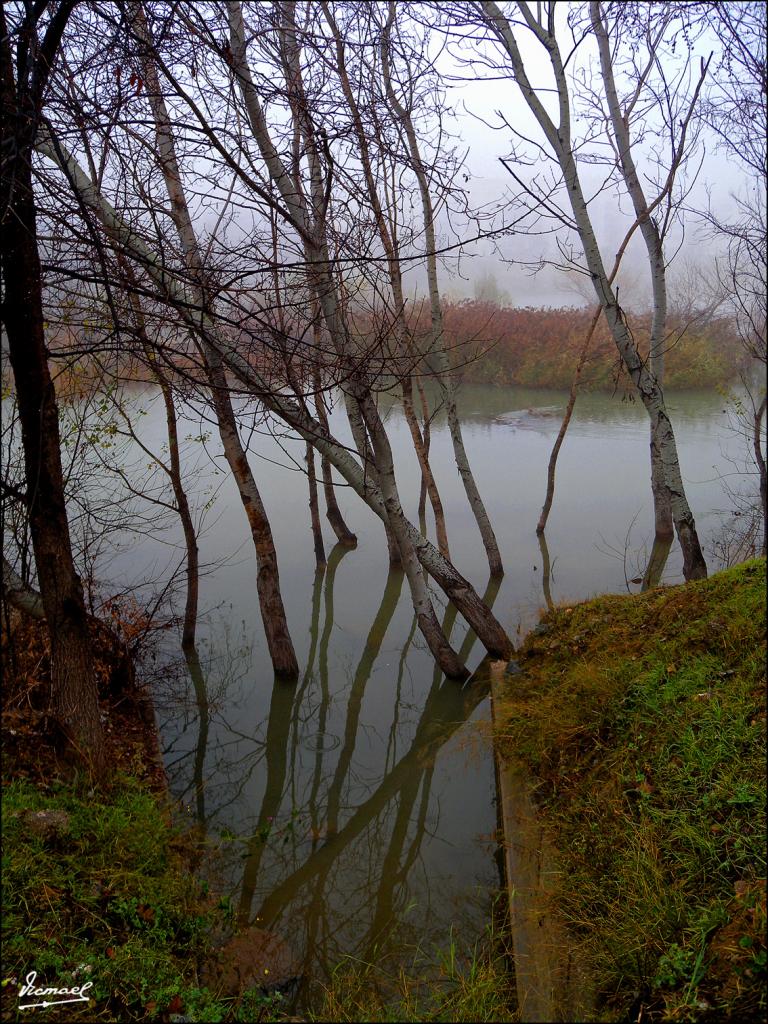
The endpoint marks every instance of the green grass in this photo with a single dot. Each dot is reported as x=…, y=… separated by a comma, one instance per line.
x=644, y=719
x=109, y=901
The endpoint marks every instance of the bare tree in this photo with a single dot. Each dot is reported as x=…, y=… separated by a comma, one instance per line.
x=561, y=144
x=219, y=327
x=437, y=342
x=28, y=49
x=268, y=580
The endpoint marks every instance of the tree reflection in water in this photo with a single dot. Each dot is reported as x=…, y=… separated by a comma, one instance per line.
x=333, y=842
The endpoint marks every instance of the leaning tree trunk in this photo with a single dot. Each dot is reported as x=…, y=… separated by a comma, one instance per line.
x=314, y=510
x=427, y=435
x=428, y=481
x=268, y=581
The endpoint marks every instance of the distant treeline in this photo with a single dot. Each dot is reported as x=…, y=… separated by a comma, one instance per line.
x=540, y=347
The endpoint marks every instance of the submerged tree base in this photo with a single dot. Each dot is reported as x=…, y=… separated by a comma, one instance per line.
x=643, y=718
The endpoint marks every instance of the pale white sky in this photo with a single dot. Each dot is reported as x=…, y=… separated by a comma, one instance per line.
x=481, y=94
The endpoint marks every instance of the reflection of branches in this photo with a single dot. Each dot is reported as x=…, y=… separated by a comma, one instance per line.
x=278, y=730
x=392, y=741
x=623, y=553
x=489, y=599
x=355, y=700
x=335, y=557
x=221, y=675
x=314, y=630
x=383, y=914
x=201, y=699
x=444, y=713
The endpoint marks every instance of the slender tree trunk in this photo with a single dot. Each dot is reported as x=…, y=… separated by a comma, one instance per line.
x=185, y=515
x=189, y=627
x=268, y=581
x=446, y=376
x=552, y=465
x=427, y=476
x=74, y=694
x=427, y=435
x=662, y=499
x=332, y=511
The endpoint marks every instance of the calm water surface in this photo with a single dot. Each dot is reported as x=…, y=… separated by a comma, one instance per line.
x=356, y=809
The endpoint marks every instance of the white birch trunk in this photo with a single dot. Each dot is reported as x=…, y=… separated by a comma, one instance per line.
x=662, y=502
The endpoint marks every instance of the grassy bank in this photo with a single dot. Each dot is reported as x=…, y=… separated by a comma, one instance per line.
x=644, y=719
x=97, y=888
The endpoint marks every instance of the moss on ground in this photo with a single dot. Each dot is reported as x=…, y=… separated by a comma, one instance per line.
x=644, y=718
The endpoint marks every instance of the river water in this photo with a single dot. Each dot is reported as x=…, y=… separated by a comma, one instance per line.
x=354, y=812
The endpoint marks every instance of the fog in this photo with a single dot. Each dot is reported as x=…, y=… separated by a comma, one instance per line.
x=518, y=269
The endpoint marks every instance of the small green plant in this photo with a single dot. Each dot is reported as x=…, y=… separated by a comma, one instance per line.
x=676, y=966
x=452, y=983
